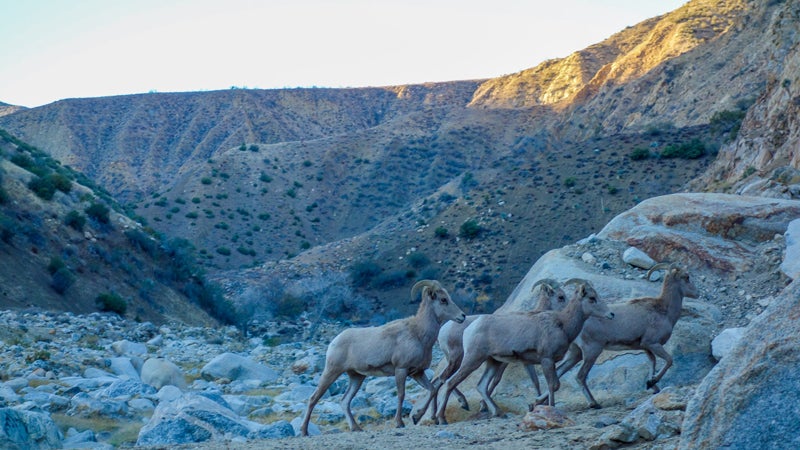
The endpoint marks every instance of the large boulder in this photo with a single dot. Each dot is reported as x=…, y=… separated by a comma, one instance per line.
x=195, y=418
x=27, y=430
x=694, y=229
x=235, y=367
x=159, y=372
x=751, y=399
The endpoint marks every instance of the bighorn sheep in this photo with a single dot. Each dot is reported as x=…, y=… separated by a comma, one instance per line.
x=641, y=324
x=546, y=294
x=400, y=348
x=532, y=338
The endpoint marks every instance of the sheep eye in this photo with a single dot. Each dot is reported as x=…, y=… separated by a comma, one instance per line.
x=443, y=300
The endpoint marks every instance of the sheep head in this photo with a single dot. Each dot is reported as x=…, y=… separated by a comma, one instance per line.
x=591, y=303
x=439, y=299
x=549, y=294
x=676, y=275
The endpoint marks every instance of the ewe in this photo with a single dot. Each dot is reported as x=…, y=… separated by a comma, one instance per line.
x=546, y=294
x=641, y=324
x=400, y=348
x=531, y=338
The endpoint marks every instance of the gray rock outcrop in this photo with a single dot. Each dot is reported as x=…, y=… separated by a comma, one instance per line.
x=751, y=399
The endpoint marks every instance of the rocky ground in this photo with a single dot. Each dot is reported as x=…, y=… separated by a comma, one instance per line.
x=99, y=381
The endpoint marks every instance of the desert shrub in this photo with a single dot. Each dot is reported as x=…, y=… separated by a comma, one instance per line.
x=394, y=278
x=418, y=260
x=111, y=302
x=727, y=122
x=569, y=182
x=98, y=212
x=142, y=241
x=205, y=180
x=253, y=148
x=688, y=150
x=7, y=229
x=43, y=187
x=246, y=251
x=243, y=148
x=639, y=154
x=305, y=245
x=62, y=279
x=613, y=190
x=224, y=251
x=55, y=265
x=288, y=306
x=441, y=232
x=196, y=200
x=363, y=272
x=192, y=215
x=75, y=220
x=265, y=178
x=470, y=229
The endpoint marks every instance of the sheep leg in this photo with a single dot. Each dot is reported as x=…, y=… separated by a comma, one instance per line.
x=400, y=375
x=573, y=357
x=325, y=380
x=551, y=376
x=352, y=388
x=432, y=390
x=468, y=366
x=495, y=381
x=531, y=369
x=492, y=367
x=589, y=357
x=659, y=351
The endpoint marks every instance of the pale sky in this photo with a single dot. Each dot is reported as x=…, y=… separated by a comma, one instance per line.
x=51, y=49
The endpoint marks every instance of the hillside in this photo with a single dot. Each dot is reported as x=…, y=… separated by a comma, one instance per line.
x=64, y=248
x=466, y=181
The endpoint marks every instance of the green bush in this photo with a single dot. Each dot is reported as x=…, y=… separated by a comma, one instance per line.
x=55, y=265
x=569, y=182
x=205, y=180
x=111, y=302
x=688, y=150
x=62, y=279
x=639, y=154
x=441, y=232
x=288, y=306
x=470, y=229
x=99, y=212
x=418, y=260
x=362, y=272
x=224, y=251
x=45, y=186
x=75, y=220
x=7, y=229
x=394, y=278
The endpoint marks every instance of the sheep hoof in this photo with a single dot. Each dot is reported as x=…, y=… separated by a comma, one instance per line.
x=595, y=406
x=651, y=384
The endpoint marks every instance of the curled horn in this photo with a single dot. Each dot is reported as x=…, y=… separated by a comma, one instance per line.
x=419, y=285
x=659, y=266
x=548, y=281
x=575, y=281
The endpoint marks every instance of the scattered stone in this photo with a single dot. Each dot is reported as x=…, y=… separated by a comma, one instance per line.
x=637, y=258
x=544, y=417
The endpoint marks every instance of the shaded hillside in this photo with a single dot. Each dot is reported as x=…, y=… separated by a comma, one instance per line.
x=298, y=182
x=64, y=248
